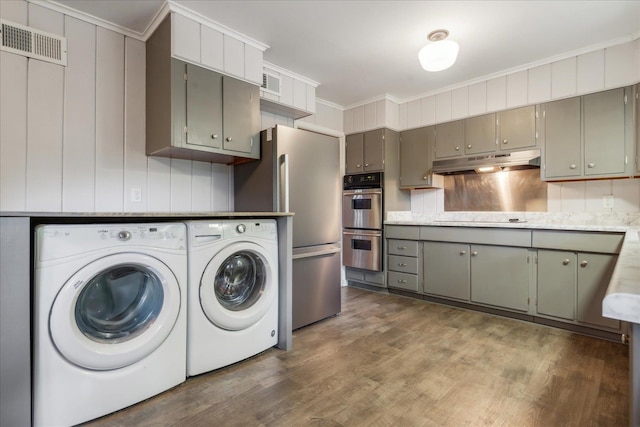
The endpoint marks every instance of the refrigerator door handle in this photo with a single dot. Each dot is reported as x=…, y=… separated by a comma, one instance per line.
x=284, y=160
x=318, y=253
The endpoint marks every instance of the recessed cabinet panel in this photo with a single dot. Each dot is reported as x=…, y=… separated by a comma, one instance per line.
x=594, y=274
x=374, y=150
x=416, y=157
x=604, y=139
x=241, y=115
x=446, y=270
x=480, y=134
x=636, y=95
x=204, y=107
x=557, y=284
x=517, y=128
x=450, y=139
x=562, y=133
x=354, y=153
x=500, y=276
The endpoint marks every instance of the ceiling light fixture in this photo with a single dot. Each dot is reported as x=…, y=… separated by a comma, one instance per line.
x=440, y=54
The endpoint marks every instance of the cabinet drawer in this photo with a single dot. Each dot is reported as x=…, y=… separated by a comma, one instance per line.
x=403, y=264
x=404, y=281
x=402, y=232
x=578, y=241
x=482, y=236
x=402, y=247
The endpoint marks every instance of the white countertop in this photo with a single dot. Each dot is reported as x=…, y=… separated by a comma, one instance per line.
x=622, y=300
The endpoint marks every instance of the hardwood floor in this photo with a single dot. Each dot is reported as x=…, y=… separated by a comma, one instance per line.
x=388, y=360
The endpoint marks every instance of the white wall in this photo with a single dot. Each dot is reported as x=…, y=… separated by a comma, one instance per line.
x=72, y=139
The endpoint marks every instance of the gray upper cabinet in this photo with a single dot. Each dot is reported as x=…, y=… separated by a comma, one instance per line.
x=480, y=134
x=449, y=139
x=517, y=128
x=364, y=151
x=604, y=142
x=560, y=128
x=195, y=113
x=416, y=157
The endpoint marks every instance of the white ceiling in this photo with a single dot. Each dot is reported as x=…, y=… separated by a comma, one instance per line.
x=361, y=50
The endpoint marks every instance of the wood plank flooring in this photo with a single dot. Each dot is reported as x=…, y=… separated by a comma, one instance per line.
x=388, y=360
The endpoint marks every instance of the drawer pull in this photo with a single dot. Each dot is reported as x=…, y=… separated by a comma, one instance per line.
x=402, y=264
x=505, y=141
x=572, y=166
x=402, y=248
x=402, y=281
x=565, y=262
x=583, y=264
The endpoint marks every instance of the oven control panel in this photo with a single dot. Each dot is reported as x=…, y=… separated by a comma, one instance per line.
x=363, y=180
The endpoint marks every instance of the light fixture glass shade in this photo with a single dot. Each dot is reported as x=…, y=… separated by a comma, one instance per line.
x=438, y=56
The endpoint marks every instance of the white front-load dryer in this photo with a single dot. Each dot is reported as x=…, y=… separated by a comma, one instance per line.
x=109, y=318
x=232, y=292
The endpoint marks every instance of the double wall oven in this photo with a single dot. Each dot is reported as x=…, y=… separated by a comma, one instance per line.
x=362, y=216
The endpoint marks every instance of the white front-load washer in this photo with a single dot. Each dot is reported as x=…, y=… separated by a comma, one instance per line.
x=232, y=292
x=109, y=318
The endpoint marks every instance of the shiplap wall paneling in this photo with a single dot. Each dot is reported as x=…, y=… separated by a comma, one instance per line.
x=497, y=94
x=253, y=64
x=460, y=102
x=158, y=184
x=539, y=84
x=185, y=38
x=14, y=11
x=299, y=94
x=590, y=71
x=222, y=188
x=109, y=121
x=13, y=132
x=414, y=113
x=212, y=48
x=78, y=151
x=201, y=186
x=478, y=98
x=370, y=115
x=564, y=78
x=619, y=63
x=286, y=89
x=135, y=159
x=517, y=89
x=45, y=92
x=443, y=107
x=358, y=119
x=233, y=56
x=428, y=110
x=391, y=115
x=180, y=185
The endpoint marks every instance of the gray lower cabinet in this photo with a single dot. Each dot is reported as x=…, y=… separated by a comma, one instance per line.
x=557, y=281
x=446, y=270
x=500, y=276
x=403, y=258
x=594, y=274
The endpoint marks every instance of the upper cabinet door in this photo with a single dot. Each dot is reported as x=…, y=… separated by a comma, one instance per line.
x=374, y=150
x=204, y=107
x=241, y=116
x=450, y=139
x=480, y=134
x=354, y=153
x=416, y=157
x=636, y=96
x=562, y=148
x=604, y=138
x=517, y=128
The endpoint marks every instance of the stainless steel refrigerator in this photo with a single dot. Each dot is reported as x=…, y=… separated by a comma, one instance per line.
x=299, y=171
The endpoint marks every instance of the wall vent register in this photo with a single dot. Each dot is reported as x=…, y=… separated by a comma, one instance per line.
x=32, y=43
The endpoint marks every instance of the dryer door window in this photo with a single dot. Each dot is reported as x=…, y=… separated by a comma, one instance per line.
x=115, y=311
x=239, y=285
x=240, y=281
x=119, y=304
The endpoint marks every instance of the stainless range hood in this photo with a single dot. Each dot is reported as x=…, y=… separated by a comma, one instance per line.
x=516, y=160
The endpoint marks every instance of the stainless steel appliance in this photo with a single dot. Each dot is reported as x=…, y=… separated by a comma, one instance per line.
x=299, y=171
x=362, y=216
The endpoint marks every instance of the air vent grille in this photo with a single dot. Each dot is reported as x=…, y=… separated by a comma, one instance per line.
x=271, y=83
x=33, y=43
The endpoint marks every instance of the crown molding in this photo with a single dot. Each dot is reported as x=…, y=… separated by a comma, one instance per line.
x=289, y=73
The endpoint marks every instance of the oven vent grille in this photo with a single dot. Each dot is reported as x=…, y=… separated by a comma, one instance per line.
x=271, y=83
x=33, y=43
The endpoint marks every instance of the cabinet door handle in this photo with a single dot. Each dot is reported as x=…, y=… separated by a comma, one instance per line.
x=505, y=141
x=463, y=252
x=425, y=178
x=366, y=165
x=402, y=248
x=474, y=253
x=358, y=166
x=469, y=146
x=214, y=136
x=583, y=264
x=591, y=165
x=457, y=148
x=572, y=166
x=229, y=139
x=402, y=264
x=565, y=262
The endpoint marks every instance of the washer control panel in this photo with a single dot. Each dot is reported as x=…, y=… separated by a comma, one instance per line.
x=265, y=229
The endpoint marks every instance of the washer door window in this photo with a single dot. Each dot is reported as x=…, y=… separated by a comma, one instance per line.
x=115, y=311
x=238, y=286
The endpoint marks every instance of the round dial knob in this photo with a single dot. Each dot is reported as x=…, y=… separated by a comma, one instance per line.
x=241, y=228
x=124, y=235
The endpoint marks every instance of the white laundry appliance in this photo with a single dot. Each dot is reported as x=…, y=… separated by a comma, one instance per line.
x=109, y=318
x=233, y=292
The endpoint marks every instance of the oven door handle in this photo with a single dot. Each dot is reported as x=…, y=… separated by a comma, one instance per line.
x=361, y=192
x=363, y=233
